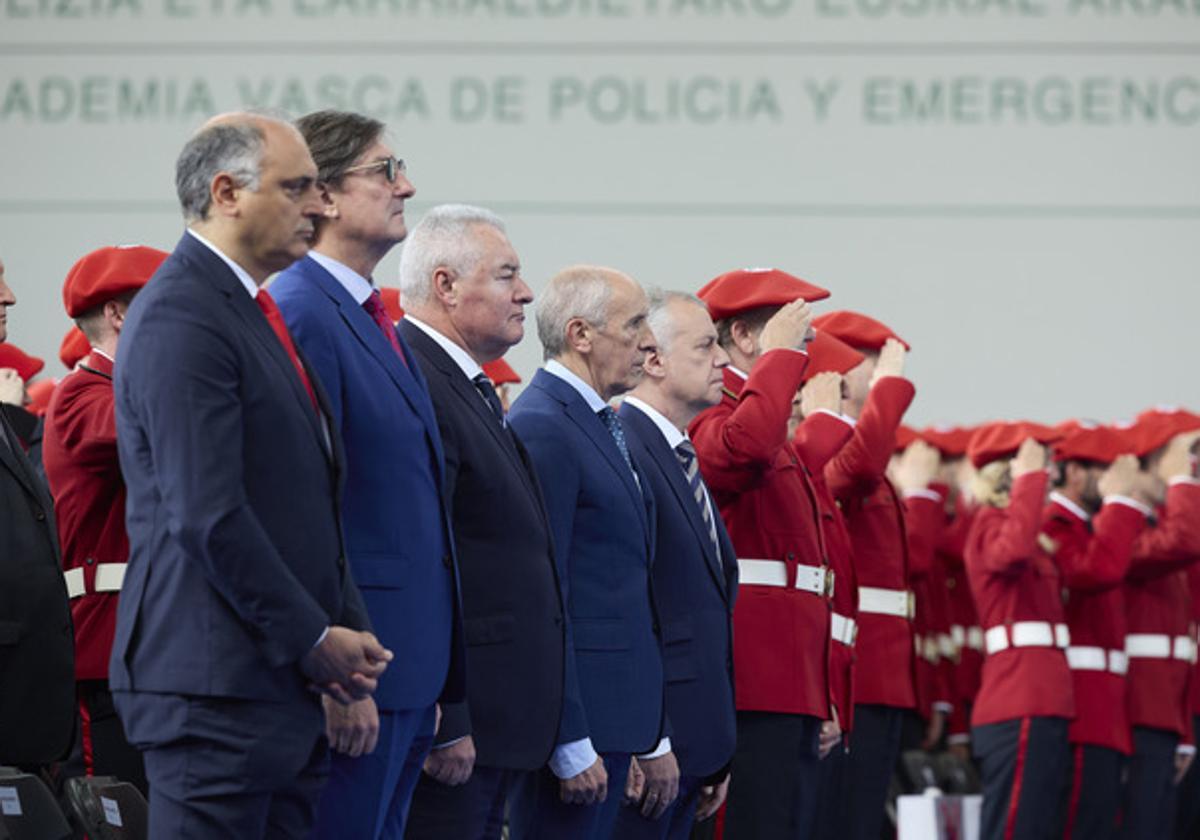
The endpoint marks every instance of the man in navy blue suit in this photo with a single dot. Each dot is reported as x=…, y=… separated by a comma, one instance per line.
x=695, y=567
x=592, y=325
x=237, y=601
x=465, y=306
x=397, y=527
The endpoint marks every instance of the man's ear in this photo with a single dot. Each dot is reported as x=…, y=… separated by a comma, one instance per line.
x=328, y=202
x=223, y=194
x=444, y=286
x=655, y=364
x=579, y=334
x=744, y=338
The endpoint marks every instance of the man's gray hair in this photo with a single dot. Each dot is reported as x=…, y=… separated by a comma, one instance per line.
x=232, y=147
x=659, y=320
x=441, y=239
x=580, y=291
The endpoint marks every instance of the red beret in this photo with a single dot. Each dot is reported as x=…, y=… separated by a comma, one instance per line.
x=500, y=372
x=950, y=441
x=1156, y=427
x=391, y=302
x=74, y=347
x=994, y=441
x=906, y=436
x=26, y=366
x=827, y=354
x=753, y=288
x=857, y=330
x=107, y=273
x=39, y=394
x=1102, y=444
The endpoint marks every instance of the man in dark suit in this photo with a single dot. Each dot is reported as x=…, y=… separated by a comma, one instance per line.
x=465, y=300
x=592, y=325
x=695, y=567
x=237, y=601
x=396, y=513
x=37, y=671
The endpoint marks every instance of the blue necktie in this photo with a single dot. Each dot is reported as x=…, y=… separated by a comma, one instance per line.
x=488, y=392
x=686, y=453
x=613, y=423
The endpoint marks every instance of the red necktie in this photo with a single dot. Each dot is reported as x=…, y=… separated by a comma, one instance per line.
x=374, y=306
x=275, y=318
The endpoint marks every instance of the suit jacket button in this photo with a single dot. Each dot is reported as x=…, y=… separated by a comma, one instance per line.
x=91, y=561
x=446, y=561
x=40, y=516
x=341, y=562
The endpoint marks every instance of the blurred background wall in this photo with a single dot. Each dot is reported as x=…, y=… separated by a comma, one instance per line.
x=1014, y=185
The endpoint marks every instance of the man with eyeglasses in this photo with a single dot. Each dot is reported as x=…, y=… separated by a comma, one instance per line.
x=395, y=515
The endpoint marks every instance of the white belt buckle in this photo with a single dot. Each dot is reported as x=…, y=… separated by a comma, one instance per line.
x=73, y=578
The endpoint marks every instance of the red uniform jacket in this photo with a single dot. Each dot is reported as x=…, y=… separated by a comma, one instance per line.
x=1158, y=606
x=813, y=442
x=964, y=620
x=766, y=498
x=1014, y=580
x=1193, y=573
x=874, y=518
x=932, y=641
x=80, y=456
x=1093, y=558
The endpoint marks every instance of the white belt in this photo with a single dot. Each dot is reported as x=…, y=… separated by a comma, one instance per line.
x=1160, y=646
x=1026, y=634
x=109, y=578
x=967, y=637
x=897, y=602
x=842, y=629
x=946, y=646
x=815, y=579
x=926, y=647
x=1097, y=659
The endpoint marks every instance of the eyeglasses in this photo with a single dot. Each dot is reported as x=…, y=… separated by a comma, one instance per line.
x=392, y=167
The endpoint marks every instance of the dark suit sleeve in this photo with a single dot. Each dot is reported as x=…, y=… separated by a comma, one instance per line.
x=188, y=397
x=558, y=473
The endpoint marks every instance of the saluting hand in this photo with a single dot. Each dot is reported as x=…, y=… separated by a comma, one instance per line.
x=12, y=387
x=823, y=391
x=790, y=327
x=1177, y=461
x=891, y=361
x=917, y=466
x=1121, y=477
x=1031, y=458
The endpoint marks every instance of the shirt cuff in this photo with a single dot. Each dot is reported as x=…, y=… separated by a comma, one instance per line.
x=1183, y=479
x=943, y=706
x=321, y=638
x=845, y=418
x=1186, y=749
x=924, y=493
x=958, y=738
x=1144, y=510
x=571, y=759
x=664, y=747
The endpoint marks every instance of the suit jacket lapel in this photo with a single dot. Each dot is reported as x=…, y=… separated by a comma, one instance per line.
x=578, y=411
x=14, y=459
x=666, y=460
x=223, y=278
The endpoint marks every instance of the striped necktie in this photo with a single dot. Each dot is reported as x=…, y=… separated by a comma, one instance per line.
x=686, y=453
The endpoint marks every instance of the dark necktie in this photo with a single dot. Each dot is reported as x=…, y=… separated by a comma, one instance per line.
x=488, y=392
x=613, y=423
x=374, y=306
x=275, y=318
x=686, y=453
